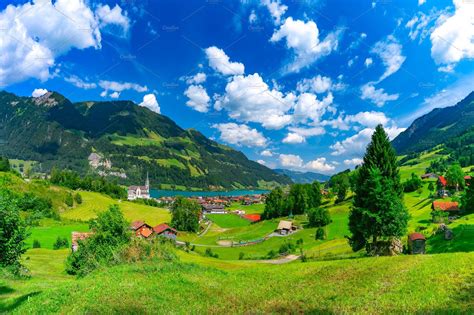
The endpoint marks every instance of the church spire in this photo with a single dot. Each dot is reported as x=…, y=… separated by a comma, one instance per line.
x=147, y=183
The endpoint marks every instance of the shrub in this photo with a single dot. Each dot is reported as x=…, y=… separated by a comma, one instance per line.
x=241, y=255
x=69, y=201
x=61, y=242
x=78, y=198
x=318, y=217
x=271, y=254
x=36, y=244
x=210, y=253
x=320, y=235
x=286, y=248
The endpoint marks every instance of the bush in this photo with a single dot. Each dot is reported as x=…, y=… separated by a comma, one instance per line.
x=110, y=236
x=241, y=255
x=36, y=244
x=286, y=248
x=413, y=184
x=318, y=217
x=271, y=254
x=69, y=201
x=320, y=235
x=210, y=253
x=78, y=198
x=61, y=242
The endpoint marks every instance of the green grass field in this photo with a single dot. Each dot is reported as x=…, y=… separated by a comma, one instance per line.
x=228, y=220
x=95, y=202
x=48, y=232
x=250, y=209
x=405, y=284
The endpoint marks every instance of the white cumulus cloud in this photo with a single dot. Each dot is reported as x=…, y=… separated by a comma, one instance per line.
x=276, y=9
x=294, y=138
x=303, y=39
x=390, y=51
x=376, y=96
x=220, y=62
x=39, y=92
x=249, y=99
x=150, y=102
x=353, y=162
x=266, y=153
x=118, y=87
x=241, y=135
x=198, y=98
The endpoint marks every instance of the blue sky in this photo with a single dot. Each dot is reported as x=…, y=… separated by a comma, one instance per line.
x=295, y=84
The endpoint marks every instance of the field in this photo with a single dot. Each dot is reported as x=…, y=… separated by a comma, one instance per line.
x=50, y=230
x=405, y=284
x=250, y=209
x=228, y=220
x=95, y=202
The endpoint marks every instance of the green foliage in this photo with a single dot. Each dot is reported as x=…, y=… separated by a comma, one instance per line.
x=413, y=183
x=4, y=164
x=13, y=231
x=72, y=180
x=61, y=242
x=431, y=188
x=69, y=201
x=275, y=205
x=36, y=244
x=298, y=199
x=318, y=217
x=438, y=166
x=286, y=248
x=110, y=234
x=320, y=234
x=37, y=207
x=378, y=212
x=185, y=214
x=210, y=253
x=455, y=176
x=467, y=202
x=78, y=198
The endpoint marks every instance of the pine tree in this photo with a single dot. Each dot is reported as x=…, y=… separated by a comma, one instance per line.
x=468, y=198
x=378, y=212
x=274, y=204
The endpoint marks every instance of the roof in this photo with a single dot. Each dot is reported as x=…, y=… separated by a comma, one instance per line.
x=442, y=180
x=467, y=177
x=136, y=187
x=79, y=236
x=446, y=205
x=252, y=217
x=416, y=237
x=163, y=227
x=137, y=224
x=429, y=175
x=285, y=225
x=146, y=232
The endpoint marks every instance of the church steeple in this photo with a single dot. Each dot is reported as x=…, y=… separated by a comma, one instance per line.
x=147, y=182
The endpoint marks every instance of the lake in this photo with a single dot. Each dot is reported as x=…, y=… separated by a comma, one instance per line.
x=157, y=193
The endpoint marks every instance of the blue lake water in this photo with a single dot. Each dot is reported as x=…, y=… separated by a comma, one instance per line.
x=157, y=193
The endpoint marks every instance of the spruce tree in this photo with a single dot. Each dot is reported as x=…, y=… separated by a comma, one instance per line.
x=274, y=204
x=378, y=212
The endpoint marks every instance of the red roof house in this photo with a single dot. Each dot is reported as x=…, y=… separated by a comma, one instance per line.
x=442, y=181
x=141, y=229
x=445, y=206
x=77, y=237
x=467, y=179
x=165, y=230
x=252, y=217
x=416, y=236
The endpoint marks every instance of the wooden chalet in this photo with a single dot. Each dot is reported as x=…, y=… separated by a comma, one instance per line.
x=165, y=230
x=141, y=229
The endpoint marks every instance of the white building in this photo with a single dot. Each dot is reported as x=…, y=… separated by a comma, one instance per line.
x=139, y=192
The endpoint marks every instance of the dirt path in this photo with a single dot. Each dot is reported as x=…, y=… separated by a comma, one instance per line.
x=279, y=261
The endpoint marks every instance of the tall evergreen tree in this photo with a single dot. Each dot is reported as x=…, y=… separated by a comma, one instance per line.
x=298, y=199
x=274, y=204
x=314, y=195
x=467, y=202
x=378, y=212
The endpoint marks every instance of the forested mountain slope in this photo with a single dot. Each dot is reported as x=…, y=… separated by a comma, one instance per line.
x=128, y=140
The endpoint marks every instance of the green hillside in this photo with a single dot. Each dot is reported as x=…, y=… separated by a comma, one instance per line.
x=440, y=126
x=129, y=140
x=405, y=284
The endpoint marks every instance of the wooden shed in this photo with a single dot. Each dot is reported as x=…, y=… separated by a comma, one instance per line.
x=416, y=243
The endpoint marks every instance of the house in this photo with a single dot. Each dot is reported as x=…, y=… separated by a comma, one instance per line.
x=442, y=181
x=416, y=243
x=139, y=192
x=76, y=237
x=166, y=231
x=447, y=206
x=213, y=209
x=252, y=217
x=429, y=176
x=467, y=179
x=141, y=229
x=285, y=227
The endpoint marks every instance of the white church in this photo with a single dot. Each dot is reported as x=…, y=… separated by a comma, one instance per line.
x=140, y=192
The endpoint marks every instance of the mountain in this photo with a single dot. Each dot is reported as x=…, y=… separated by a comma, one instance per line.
x=121, y=140
x=439, y=126
x=303, y=177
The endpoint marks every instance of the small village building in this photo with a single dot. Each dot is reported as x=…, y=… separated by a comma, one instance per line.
x=139, y=192
x=416, y=243
x=76, y=237
x=442, y=182
x=252, y=217
x=467, y=179
x=285, y=227
x=213, y=209
x=447, y=206
x=141, y=229
x=165, y=230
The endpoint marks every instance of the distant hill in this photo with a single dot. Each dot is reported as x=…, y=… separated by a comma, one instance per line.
x=127, y=141
x=303, y=177
x=440, y=126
